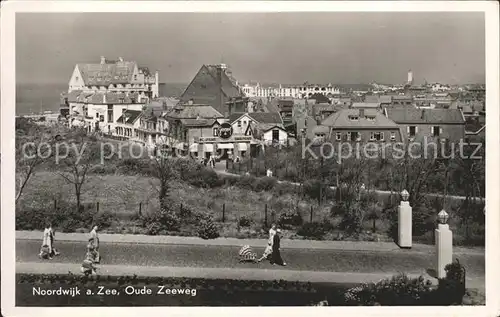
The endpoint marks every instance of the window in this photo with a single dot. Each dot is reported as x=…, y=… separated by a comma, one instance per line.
x=76, y=77
x=412, y=131
x=353, y=118
x=393, y=136
x=370, y=118
x=379, y=136
x=436, y=131
x=338, y=136
x=354, y=136
x=239, y=123
x=101, y=118
x=372, y=136
x=276, y=135
x=216, y=131
x=97, y=115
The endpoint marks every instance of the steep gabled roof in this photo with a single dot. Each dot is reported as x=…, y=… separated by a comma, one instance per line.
x=195, y=111
x=130, y=116
x=266, y=117
x=111, y=72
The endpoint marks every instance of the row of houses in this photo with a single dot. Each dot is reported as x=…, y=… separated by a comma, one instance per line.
x=214, y=102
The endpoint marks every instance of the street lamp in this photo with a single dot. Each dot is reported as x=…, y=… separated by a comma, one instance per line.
x=405, y=195
x=443, y=217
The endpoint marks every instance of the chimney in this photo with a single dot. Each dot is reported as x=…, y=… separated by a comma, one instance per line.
x=423, y=114
x=220, y=102
x=104, y=98
x=120, y=59
x=103, y=60
x=361, y=113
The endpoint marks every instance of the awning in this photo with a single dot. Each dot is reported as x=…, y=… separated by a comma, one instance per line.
x=225, y=146
x=242, y=146
x=193, y=147
x=179, y=146
x=208, y=147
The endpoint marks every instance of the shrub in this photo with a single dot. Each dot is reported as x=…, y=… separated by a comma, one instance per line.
x=104, y=169
x=290, y=219
x=315, y=230
x=452, y=287
x=66, y=218
x=244, y=222
x=400, y=290
x=264, y=184
x=202, y=177
x=163, y=220
x=208, y=229
x=246, y=182
x=130, y=166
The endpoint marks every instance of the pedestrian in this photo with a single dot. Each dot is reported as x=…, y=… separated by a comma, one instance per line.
x=46, y=249
x=94, y=243
x=269, y=248
x=276, y=255
x=88, y=267
x=52, y=236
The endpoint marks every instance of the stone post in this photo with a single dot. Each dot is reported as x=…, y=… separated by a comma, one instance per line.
x=444, y=244
x=405, y=222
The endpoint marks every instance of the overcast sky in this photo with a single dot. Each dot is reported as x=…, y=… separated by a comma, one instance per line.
x=343, y=48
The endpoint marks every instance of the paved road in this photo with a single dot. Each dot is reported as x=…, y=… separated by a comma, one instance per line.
x=226, y=257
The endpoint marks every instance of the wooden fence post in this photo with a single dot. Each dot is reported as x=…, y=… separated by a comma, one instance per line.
x=223, y=212
x=97, y=206
x=55, y=204
x=265, y=215
x=140, y=208
x=311, y=216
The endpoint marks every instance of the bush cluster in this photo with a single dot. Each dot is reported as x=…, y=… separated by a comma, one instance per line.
x=400, y=290
x=290, y=219
x=65, y=218
x=161, y=221
x=208, y=229
x=315, y=230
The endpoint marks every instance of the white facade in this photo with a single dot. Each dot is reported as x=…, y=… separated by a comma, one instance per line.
x=267, y=136
x=240, y=125
x=298, y=92
x=140, y=82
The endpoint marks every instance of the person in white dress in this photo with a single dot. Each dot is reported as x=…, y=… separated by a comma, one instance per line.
x=94, y=244
x=269, y=248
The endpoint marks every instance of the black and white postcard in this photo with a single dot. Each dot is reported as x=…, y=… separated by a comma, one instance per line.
x=250, y=158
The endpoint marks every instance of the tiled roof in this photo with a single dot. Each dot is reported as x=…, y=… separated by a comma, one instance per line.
x=342, y=119
x=228, y=84
x=399, y=97
x=98, y=97
x=368, y=105
x=130, y=116
x=425, y=116
x=321, y=129
x=108, y=73
x=202, y=111
x=198, y=122
x=324, y=107
x=266, y=117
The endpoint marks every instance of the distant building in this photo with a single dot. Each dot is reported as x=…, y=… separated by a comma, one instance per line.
x=442, y=124
x=290, y=91
x=214, y=85
x=361, y=125
x=115, y=76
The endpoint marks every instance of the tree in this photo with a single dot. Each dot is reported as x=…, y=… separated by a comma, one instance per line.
x=33, y=148
x=82, y=152
x=163, y=169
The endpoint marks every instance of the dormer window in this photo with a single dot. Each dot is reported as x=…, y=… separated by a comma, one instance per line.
x=370, y=118
x=354, y=118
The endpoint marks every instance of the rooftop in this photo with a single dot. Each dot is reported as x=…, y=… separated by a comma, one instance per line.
x=425, y=116
x=364, y=118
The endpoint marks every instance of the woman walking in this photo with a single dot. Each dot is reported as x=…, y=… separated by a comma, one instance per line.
x=276, y=255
